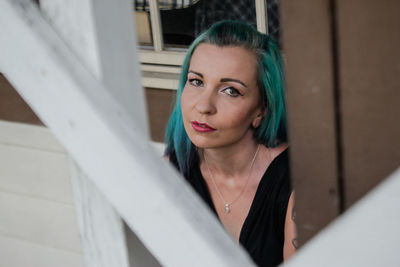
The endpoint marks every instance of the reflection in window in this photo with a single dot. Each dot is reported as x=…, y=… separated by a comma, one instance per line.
x=212, y=11
x=183, y=20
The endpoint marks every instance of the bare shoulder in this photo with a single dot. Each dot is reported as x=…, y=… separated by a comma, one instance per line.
x=276, y=151
x=273, y=152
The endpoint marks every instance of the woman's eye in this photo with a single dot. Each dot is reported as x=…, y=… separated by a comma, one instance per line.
x=231, y=91
x=195, y=82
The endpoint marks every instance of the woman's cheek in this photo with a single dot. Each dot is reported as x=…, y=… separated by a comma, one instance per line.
x=240, y=121
x=187, y=95
x=184, y=99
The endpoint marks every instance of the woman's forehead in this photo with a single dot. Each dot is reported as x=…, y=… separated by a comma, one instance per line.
x=233, y=60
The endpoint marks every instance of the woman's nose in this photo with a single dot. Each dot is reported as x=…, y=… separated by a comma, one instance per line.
x=206, y=102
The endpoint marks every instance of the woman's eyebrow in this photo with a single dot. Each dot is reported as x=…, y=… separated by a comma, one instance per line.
x=197, y=73
x=222, y=80
x=233, y=80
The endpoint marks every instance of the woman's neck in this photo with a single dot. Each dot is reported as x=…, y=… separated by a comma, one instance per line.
x=233, y=160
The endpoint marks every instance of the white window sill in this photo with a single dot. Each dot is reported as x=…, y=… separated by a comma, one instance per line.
x=161, y=77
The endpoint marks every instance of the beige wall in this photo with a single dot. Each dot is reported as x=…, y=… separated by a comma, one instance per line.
x=37, y=217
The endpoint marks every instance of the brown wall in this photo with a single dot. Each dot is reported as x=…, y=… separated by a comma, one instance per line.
x=369, y=80
x=307, y=46
x=159, y=107
x=343, y=82
x=13, y=107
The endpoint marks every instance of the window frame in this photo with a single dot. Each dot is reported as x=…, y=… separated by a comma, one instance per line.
x=159, y=66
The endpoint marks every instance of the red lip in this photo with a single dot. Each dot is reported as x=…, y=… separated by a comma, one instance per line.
x=202, y=127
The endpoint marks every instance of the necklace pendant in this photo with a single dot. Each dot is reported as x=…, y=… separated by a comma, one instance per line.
x=227, y=209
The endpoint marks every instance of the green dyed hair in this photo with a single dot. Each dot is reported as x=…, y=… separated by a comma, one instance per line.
x=272, y=129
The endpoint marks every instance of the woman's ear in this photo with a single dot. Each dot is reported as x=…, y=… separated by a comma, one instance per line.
x=257, y=121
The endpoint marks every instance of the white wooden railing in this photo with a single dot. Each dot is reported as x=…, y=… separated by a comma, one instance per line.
x=74, y=63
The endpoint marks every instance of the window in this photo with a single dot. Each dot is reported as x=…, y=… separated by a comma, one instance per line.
x=165, y=28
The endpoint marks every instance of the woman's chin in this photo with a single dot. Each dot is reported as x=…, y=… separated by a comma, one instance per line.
x=203, y=143
x=209, y=143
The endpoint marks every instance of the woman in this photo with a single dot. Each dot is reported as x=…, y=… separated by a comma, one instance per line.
x=227, y=137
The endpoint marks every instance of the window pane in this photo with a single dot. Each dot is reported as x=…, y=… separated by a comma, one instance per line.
x=177, y=20
x=143, y=29
x=273, y=19
x=212, y=11
x=178, y=25
x=182, y=25
x=183, y=20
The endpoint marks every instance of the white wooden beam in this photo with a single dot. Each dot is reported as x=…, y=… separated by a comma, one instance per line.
x=73, y=20
x=101, y=34
x=102, y=231
x=155, y=202
x=91, y=34
x=367, y=235
x=139, y=255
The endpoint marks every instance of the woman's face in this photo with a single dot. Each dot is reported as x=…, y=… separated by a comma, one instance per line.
x=220, y=101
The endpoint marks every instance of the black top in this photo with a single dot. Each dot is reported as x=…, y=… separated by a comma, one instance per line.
x=262, y=233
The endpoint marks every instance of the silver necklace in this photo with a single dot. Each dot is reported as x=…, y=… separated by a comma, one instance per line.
x=228, y=205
